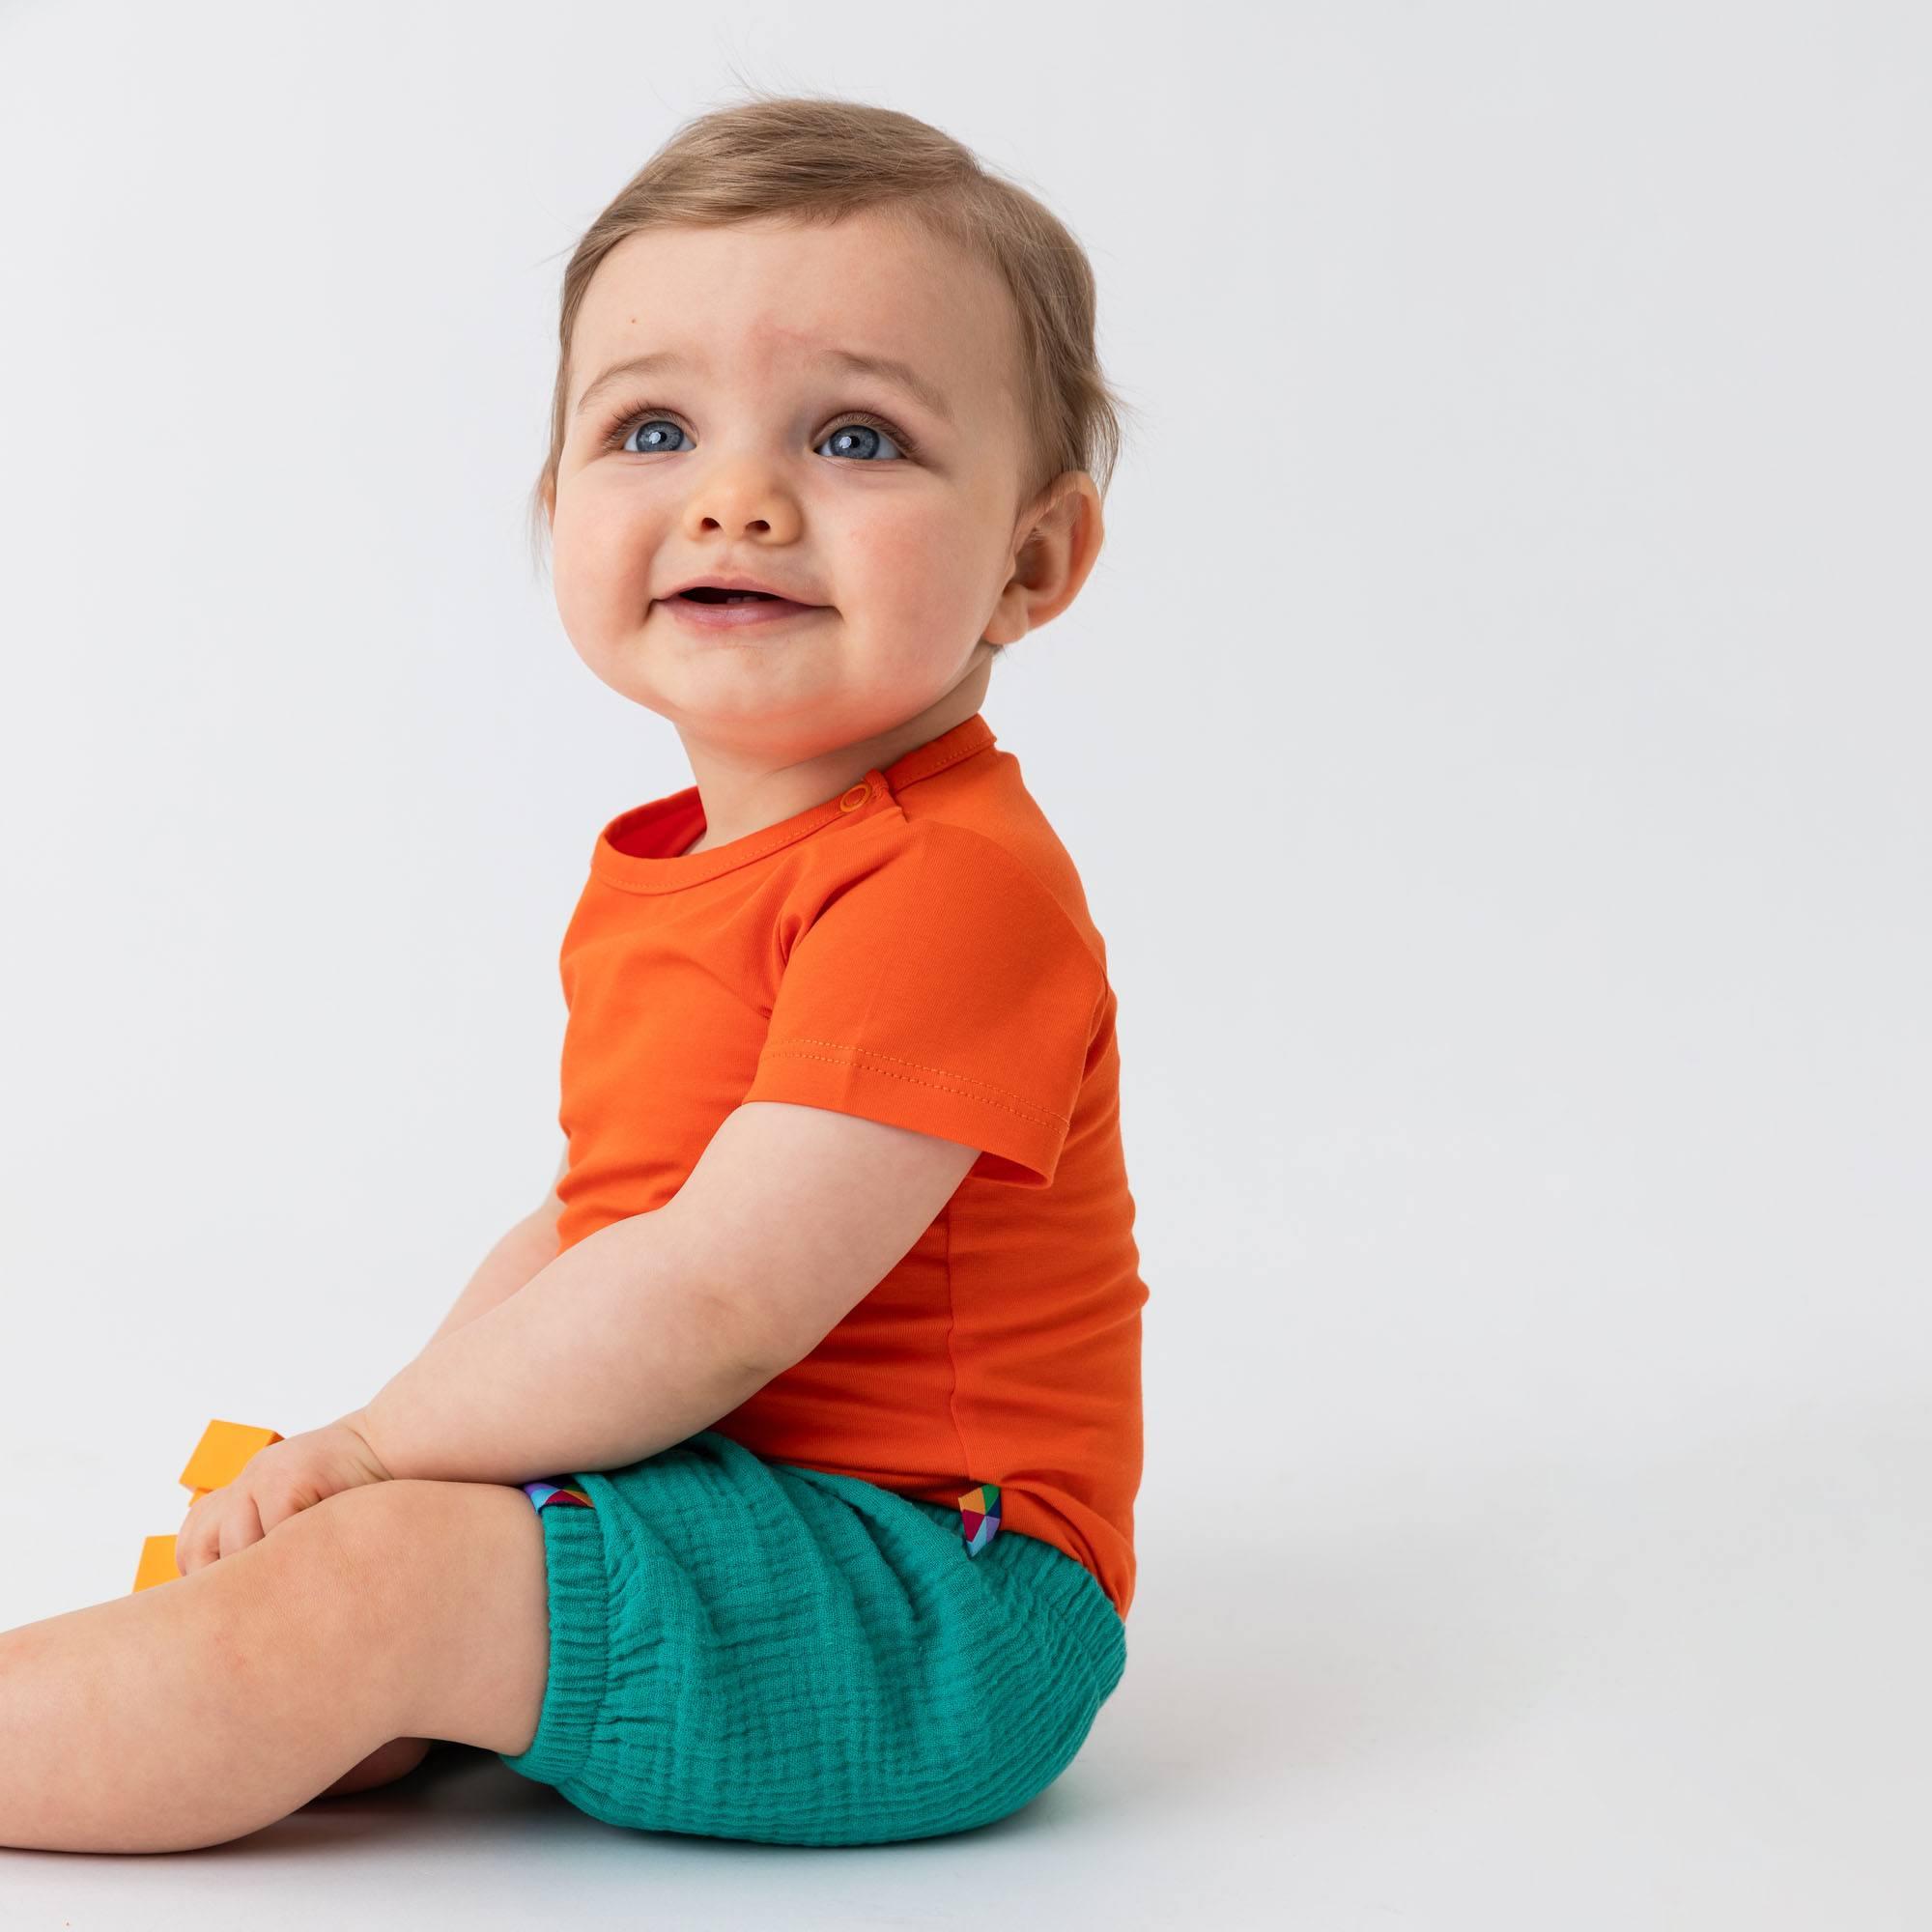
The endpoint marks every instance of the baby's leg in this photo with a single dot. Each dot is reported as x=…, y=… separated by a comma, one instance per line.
x=201, y=1710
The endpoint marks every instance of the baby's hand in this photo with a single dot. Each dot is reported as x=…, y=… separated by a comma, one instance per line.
x=277, y=1483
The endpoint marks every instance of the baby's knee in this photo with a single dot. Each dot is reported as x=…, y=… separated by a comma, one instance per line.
x=441, y=1576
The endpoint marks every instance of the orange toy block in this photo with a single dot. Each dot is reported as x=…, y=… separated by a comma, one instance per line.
x=219, y=1457
x=157, y=1563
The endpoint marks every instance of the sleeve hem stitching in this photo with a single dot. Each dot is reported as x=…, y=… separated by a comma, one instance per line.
x=800, y=1051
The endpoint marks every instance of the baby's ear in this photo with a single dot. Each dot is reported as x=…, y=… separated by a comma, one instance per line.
x=1060, y=538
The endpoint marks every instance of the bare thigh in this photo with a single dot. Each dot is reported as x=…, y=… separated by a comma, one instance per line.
x=457, y=1569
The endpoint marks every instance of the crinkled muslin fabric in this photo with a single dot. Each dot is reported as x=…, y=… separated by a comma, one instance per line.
x=749, y=1649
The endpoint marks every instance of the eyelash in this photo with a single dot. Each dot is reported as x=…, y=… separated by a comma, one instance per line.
x=621, y=428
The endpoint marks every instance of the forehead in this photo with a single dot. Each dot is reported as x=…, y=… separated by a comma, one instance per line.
x=768, y=300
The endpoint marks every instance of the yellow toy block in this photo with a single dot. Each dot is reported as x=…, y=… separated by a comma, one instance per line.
x=219, y=1457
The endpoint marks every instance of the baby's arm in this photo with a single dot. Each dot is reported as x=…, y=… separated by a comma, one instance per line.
x=654, y=1327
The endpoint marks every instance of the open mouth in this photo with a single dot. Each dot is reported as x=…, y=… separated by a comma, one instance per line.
x=745, y=616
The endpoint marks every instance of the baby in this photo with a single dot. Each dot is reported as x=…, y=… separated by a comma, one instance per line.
x=775, y=1478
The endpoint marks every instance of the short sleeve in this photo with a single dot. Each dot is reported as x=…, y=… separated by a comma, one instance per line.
x=944, y=990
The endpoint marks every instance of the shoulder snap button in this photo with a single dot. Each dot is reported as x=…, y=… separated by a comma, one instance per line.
x=855, y=798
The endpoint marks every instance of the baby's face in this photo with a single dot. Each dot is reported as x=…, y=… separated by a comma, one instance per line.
x=753, y=450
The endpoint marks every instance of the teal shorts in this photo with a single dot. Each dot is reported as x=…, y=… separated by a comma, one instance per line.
x=748, y=1649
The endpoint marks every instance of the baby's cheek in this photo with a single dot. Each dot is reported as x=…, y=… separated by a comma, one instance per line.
x=922, y=575
x=600, y=565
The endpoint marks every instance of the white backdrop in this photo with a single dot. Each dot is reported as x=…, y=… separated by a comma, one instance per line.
x=1494, y=742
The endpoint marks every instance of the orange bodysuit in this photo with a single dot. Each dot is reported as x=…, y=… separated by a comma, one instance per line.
x=916, y=950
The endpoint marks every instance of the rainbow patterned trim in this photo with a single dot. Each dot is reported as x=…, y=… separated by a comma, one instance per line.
x=980, y=1516
x=543, y=1494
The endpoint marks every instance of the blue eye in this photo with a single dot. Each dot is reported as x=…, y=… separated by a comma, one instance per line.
x=860, y=439
x=653, y=428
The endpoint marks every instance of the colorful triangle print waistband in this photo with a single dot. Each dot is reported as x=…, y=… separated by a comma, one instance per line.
x=980, y=1516
x=557, y=1491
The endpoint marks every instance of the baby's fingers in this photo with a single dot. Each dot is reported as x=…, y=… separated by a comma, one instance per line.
x=217, y=1526
x=241, y=1524
x=194, y=1540
x=274, y=1508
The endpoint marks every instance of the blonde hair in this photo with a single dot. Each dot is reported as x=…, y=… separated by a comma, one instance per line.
x=814, y=159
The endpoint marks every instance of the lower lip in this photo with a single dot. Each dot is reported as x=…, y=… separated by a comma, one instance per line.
x=735, y=616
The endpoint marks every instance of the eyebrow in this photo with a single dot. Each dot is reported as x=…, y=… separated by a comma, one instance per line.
x=887, y=368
